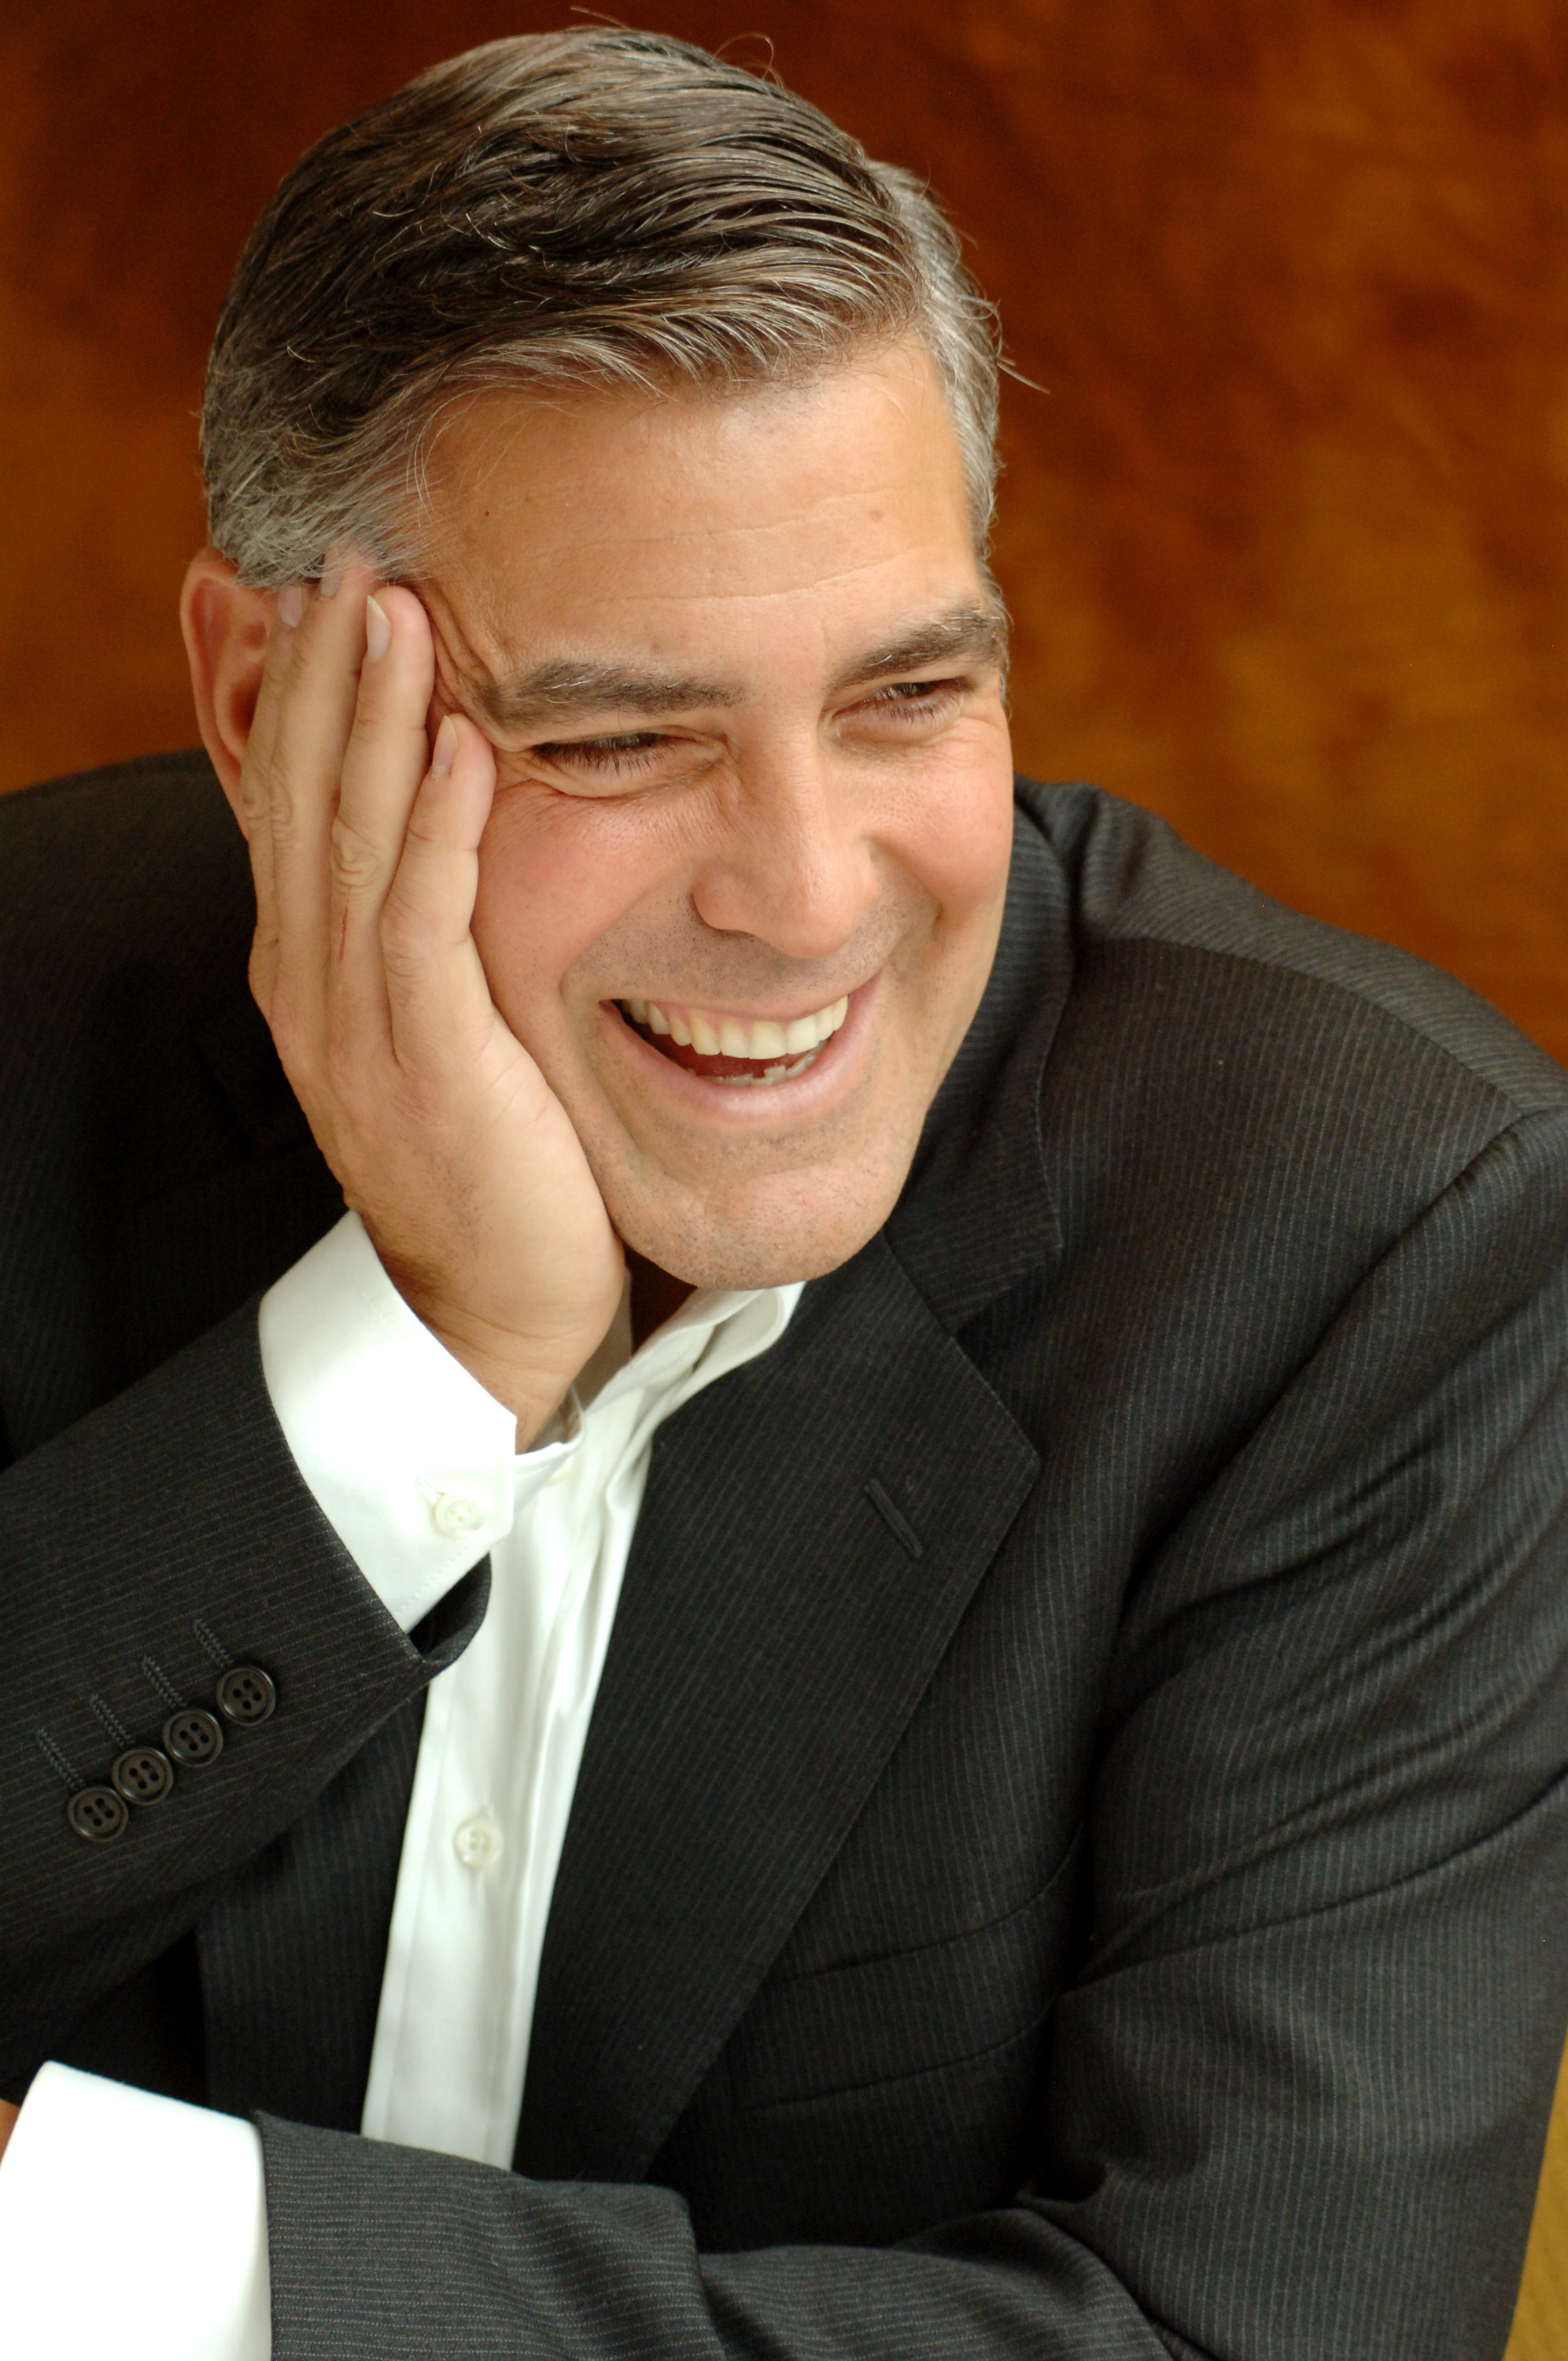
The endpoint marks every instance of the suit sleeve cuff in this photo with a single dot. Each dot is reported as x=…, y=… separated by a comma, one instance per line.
x=132, y=2225
x=410, y=1460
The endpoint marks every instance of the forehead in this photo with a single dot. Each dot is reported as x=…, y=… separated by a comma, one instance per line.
x=685, y=514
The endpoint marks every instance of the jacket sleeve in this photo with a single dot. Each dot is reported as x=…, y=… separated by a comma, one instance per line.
x=162, y=1539
x=1300, y=2088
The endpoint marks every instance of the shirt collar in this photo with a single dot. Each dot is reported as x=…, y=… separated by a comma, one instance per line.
x=717, y=1329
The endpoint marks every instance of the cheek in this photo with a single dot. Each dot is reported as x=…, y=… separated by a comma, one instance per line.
x=537, y=908
x=956, y=836
x=556, y=876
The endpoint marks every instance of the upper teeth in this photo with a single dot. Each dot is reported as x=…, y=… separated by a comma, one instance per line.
x=733, y=1037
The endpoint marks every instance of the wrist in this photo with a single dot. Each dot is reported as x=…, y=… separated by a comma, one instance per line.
x=527, y=1369
x=532, y=1393
x=528, y=1377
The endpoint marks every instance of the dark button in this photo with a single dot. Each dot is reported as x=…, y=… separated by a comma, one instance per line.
x=97, y=1814
x=246, y=1695
x=192, y=1736
x=142, y=1775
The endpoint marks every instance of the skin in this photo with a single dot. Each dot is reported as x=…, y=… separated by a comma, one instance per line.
x=662, y=651
x=697, y=701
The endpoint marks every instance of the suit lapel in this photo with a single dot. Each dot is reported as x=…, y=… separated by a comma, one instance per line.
x=812, y=1530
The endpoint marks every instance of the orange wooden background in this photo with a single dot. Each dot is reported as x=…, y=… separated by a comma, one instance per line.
x=1285, y=539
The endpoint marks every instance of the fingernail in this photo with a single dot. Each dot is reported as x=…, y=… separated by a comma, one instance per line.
x=331, y=579
x=378, y=631
x=444, y=752
x=290, y=606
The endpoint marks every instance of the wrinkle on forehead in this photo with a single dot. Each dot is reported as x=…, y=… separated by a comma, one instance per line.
x=568, y=688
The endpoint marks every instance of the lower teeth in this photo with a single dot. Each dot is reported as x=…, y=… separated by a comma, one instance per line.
x=769, y=1074
x=766, y=1080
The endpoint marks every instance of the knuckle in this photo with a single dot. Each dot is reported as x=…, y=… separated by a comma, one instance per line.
x=280, y=803
x=426, y=828
x=356, y=863
x=404, y=956
x=409, y=945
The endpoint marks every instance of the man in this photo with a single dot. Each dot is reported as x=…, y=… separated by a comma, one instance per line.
x=870, y=1664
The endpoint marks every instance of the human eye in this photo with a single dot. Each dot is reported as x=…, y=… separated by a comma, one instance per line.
x=622, y=757
x=907, y=705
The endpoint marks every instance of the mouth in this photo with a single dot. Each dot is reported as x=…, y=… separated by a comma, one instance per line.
x=756, y=1052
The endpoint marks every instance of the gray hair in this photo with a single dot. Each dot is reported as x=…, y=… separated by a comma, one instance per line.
x=597, y=208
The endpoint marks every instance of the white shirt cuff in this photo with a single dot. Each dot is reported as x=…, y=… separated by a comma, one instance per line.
x=132, y=2225
x=410, y=1461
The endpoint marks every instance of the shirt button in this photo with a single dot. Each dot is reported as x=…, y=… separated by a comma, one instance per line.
x=479, y=1842
x=454, y=1514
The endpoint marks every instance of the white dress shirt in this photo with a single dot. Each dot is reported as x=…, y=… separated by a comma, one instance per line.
x=412, y=1464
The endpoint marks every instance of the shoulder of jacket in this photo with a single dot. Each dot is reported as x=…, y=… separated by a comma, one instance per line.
x=138, y=864
x=1133, y=879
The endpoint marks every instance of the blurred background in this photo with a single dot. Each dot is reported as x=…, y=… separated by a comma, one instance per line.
x=1283, y=533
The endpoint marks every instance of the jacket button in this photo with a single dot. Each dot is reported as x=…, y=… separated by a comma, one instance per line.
x=142, y=1775
x=246, y=1695
x=192, y=1736
x=97, y=1814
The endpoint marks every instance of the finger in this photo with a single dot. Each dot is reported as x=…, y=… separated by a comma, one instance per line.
x=252, y=776
x=385, y=761
x=439, y=999
x=314, y=715
x=288, y=609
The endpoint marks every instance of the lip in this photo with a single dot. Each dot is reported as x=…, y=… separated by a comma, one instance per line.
x=832, y=1075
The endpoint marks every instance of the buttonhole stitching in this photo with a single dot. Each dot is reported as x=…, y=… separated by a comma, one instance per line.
x=159, y=1682
x=111, y=1721
x=894, y=1519
x=215, y=1648
x=59, y=1762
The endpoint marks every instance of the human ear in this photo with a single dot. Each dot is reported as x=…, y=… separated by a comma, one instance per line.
x=225, y=626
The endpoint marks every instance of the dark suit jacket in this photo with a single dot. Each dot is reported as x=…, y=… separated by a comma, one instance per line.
x=1071, y=1854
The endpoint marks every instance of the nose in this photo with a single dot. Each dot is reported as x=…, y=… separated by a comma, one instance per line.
x=793, y=866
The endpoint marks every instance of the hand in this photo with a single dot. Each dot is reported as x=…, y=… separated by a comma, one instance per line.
x=9, y=2114
x=446, y=1140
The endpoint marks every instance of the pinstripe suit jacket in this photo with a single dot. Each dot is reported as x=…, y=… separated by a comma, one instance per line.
x=1071, y=1853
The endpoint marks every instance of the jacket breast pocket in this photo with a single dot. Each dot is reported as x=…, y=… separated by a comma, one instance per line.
x=905, y=2014
x=867, y=2101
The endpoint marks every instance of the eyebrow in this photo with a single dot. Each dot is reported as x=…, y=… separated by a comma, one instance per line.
x=568, y=689
x=974, y=631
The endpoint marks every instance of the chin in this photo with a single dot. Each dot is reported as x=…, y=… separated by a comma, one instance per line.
x=791, y=1236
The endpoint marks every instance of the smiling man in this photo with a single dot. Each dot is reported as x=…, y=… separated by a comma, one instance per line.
x=871, y=1663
